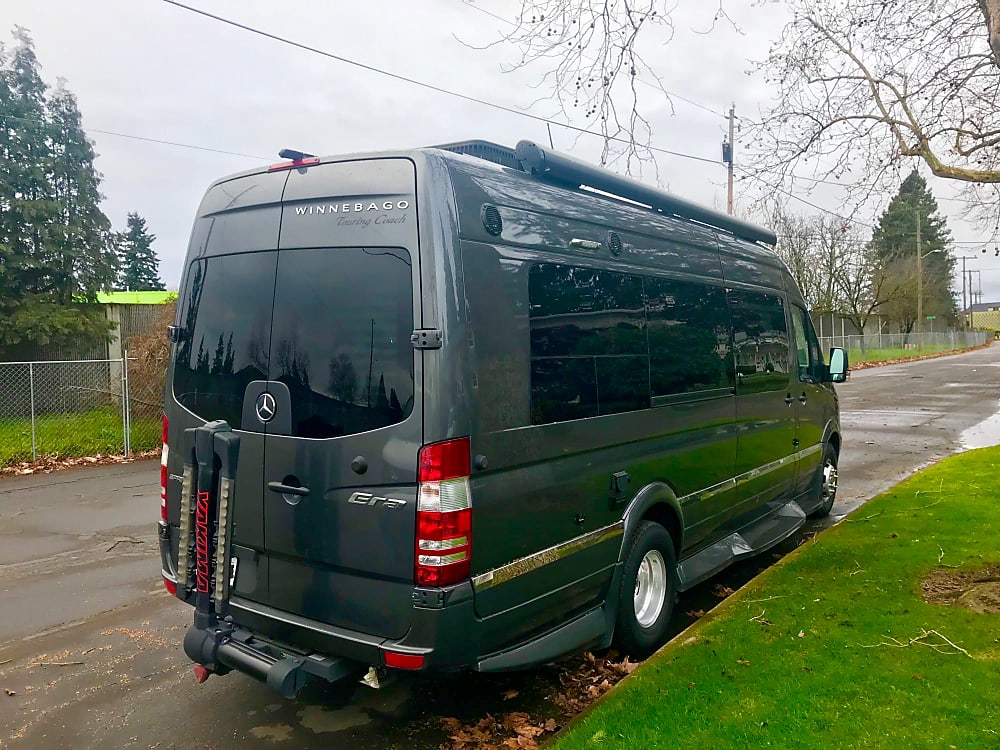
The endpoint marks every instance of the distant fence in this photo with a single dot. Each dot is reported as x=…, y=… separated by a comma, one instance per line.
x=72, y=408
x=903, y=343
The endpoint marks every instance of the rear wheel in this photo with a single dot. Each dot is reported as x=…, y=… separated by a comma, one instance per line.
x=828, y=483
x=647, y=593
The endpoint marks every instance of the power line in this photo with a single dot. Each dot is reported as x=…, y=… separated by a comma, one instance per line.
x=470, y=4
x=422, y=84
x=147, y=139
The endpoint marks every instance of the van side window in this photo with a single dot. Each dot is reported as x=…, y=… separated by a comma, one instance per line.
x=760, y=341
x=689, y=347
x=589, y=354
x=810, y=356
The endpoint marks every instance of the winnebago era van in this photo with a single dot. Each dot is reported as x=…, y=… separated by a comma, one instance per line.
x=471, y=408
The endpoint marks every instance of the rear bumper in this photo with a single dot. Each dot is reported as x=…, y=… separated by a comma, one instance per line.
x=444, y=636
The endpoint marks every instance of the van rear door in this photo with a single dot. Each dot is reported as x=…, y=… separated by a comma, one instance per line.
x=225, y=330
x=340, y=458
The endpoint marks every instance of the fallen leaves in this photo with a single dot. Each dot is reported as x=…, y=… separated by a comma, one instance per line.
x=49, y=464
x=722, y=591
x=10, y=693
x=582, y=680
x=515, y=730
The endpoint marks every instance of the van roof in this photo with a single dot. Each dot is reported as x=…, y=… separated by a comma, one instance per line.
x=553, y=167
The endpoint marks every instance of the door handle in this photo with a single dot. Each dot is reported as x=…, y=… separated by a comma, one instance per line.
x=285, y=489
x=802, y=398
x=789, y=399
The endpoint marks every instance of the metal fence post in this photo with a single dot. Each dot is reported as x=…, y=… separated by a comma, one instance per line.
x=126, y=401
x=31, y=386
x=124, y=415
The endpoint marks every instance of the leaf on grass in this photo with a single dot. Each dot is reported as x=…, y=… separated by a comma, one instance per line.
x=743, y=662
x=510, y=694
x=802, y=634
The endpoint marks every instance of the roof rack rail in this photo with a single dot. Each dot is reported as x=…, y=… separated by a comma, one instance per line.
x=494, y=152
x=568, y=171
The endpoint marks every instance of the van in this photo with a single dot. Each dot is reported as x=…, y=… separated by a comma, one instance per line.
x=471, y=408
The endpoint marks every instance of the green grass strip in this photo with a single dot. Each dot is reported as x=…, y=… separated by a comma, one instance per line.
x=85, y=433
x=806, y=655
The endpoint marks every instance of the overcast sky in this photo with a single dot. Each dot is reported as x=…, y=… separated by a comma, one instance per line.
x=145, y=68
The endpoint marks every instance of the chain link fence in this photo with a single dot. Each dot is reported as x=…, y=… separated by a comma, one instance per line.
x=72, y=408
x=879, y=346
x=88, y=407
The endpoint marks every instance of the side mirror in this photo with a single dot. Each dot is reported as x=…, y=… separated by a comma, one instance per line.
x=838, y=365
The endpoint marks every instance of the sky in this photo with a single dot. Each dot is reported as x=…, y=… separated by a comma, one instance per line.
x=148, y=69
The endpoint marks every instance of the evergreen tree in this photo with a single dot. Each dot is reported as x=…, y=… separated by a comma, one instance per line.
x=138, y=262
x=82, y=256
x=895, y=244
x=54, y=244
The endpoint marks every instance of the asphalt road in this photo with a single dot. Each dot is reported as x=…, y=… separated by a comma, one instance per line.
x=90, y=641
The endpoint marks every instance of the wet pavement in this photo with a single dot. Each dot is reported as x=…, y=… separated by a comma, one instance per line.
x=90, y=642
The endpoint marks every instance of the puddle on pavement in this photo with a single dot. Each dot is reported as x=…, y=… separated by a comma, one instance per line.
x=319, y=719
x=274, y=732
x=983, y=435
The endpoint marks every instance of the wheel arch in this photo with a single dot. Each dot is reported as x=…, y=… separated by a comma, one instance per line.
x=655, y=502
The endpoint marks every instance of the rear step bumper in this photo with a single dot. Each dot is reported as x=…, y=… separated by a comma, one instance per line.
x=282, y=668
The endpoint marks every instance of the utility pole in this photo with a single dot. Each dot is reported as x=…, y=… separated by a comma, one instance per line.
x=965, y=305
x=920, y=281
x=727, y=155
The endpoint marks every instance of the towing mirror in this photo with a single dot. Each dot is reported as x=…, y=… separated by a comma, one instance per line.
x=838, y=365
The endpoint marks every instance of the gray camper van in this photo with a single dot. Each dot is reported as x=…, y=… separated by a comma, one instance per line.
x=471, y=408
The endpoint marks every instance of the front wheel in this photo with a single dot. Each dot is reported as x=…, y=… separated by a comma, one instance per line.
x=828, y=483
x=647, y=593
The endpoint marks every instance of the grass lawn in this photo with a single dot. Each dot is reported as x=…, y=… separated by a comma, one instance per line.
x=835, y=647
x=72, y=435
x=883, y=355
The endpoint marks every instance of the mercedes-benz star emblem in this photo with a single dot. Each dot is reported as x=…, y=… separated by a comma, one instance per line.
x=265, y=407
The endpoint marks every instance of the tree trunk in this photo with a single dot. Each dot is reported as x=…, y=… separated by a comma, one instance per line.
x=991, y=13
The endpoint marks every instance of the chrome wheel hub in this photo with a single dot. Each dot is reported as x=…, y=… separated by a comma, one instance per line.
x=650, y=588
x=829, y=482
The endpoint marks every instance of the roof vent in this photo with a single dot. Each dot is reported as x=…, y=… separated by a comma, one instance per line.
x=492, y=219
x=615, y=243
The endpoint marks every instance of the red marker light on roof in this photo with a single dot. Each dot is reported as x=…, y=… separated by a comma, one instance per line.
x=294, y=164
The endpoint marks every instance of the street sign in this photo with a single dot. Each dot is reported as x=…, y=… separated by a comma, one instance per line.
x=931, y=317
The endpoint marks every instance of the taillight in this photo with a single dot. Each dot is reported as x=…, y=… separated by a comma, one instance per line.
x=444, y=514
x=164, y=455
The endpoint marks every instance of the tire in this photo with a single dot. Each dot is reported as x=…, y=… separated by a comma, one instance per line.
x=827, y=483
x=647, y=593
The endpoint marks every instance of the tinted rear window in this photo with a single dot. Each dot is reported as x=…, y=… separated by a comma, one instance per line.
x=339, y=337
x=226, y=341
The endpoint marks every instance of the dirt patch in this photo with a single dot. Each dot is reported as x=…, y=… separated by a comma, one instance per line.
x=978, y=590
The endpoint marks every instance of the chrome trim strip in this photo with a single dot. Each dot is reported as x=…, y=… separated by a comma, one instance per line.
x=534, y=561
x=746, y=476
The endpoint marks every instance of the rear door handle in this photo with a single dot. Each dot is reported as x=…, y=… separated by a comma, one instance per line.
x=285, y=489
